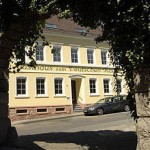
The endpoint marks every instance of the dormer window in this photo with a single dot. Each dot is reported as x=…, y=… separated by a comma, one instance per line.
x=81, y=31
x=51, y=26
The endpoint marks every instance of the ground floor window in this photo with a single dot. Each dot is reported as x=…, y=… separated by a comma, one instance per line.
x=40, y=86
x=106, y=86
x=58, y=86
x=92, y=83
x=21, y=86
x=119, y=87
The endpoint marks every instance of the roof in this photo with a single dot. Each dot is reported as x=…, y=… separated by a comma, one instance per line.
x=67, y=32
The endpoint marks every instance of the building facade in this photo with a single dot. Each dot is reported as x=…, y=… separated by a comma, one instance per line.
x=73, y=71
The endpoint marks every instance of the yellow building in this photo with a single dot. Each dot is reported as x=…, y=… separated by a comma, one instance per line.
x=72, y=73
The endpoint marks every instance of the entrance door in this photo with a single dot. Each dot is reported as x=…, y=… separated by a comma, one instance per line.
x=73, y=87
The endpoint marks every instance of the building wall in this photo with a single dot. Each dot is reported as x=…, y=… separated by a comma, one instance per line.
x=31, y=105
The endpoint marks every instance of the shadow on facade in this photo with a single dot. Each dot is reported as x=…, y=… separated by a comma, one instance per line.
x=91, y=140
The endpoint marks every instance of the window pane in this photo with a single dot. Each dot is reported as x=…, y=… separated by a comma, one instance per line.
x=106, y=86
x=74, y=55
x=39, y=53
x=104, y=57
x=58, y=86
x=56, y=54
x=119, y=90
x=40, y=86
x=92, y=86
x=90, y=56
x=21, y=86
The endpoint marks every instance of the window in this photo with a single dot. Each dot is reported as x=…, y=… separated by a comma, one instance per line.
x=104, y=57
x=51, y=26
x=42, y=110
x=21, y=111
x=40, y=86
x=81, y=31
x=60, y=109
x=92, y=83
x=90, y=56
x=21, y=86
x=106, y=85
x=39, y=53
x=119, y=88
x=74, y=55
x=58, y=86
x=57, y=53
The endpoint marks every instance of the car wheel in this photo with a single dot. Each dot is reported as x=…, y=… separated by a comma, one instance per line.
x=100, y=111
x=126, y=108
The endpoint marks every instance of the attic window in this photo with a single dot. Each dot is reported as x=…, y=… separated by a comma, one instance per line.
x=81, y=31
x=51, y=26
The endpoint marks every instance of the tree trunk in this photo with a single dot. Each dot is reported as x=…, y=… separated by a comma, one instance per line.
x=8, y=40
x=142, y=96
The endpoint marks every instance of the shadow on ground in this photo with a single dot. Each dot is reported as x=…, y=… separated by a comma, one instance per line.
x=92, y=140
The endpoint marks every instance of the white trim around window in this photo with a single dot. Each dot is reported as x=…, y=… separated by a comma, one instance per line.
x=93, y=87
x=41, y=56
x=90, y=56
x=41, y=87
x=74, y=57
x=57, y=53
x=122, y=86
x=21, y=87
x=104, y=57
x=107, y=86
x=59, y=89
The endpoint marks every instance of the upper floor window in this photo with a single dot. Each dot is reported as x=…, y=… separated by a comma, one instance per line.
x=21, y=86
x=58, y=86
x=92, y=83
x=40, y=53
x=90, y=56
x=106, y=85
x=57, y=53
x=40, y=86
x=104, y=57
x=74, y=55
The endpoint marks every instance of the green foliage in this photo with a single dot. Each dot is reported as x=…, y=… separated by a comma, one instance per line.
x=125, y=26
x=29, y=16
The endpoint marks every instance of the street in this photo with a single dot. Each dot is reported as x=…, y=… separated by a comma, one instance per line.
x=112, y=131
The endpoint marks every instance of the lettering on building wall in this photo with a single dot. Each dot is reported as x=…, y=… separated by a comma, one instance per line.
x=69, y=69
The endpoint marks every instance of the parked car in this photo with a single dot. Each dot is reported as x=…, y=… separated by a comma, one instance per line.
x=108, y=105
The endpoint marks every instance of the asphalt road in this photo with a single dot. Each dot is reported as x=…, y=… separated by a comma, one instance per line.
x=75, y=124
x=108, y=132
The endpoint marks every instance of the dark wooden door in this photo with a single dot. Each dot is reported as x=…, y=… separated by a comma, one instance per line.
x=73, y=87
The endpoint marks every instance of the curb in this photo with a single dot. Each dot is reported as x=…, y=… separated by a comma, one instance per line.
x=48, y=118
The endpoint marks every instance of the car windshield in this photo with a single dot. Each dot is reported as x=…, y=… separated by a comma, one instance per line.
x=105, y=100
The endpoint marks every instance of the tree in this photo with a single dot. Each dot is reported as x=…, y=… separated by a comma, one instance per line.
x=21, y=24
x=125, y=26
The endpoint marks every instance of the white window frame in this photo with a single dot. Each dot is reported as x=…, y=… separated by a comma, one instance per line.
x=104, y=51
x=96, y=86
x=63, y=90
x=90, y=50
x=109, y=84
x=61, y=59
x=41, y=47
x=45, y=87
x=120, y=81
x=26, y=85
x=77, y=50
